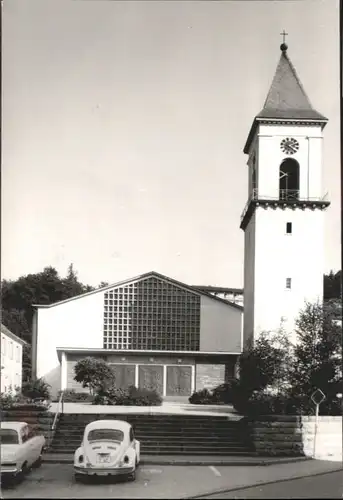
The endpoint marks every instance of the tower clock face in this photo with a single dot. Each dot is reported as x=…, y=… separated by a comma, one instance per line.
x=289, y=146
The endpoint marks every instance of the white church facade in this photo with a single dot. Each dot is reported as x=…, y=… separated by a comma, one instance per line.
x=156, y=331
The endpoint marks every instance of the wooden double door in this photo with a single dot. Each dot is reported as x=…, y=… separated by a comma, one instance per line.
x=178, y=379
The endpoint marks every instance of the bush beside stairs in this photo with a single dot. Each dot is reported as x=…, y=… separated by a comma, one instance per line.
x=164, y=434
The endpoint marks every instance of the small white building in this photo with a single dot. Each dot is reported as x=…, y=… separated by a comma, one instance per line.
x=11, y=360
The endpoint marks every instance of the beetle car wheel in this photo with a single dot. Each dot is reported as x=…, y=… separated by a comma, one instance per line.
x=132, y=476
x=38, y=462
x=23, y=471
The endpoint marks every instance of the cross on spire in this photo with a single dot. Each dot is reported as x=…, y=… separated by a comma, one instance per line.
x=284, y=34
x=284, y=46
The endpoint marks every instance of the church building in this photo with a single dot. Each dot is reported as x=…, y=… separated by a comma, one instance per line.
x=153, y=330
x=157, y=332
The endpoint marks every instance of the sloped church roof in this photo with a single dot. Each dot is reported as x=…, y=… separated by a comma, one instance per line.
x=286, y=99
x=151, y=274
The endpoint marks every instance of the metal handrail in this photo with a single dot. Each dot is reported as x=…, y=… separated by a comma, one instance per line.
x=58, y=410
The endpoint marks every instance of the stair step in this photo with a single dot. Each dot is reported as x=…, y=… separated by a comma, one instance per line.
x=149, y=422
x=164, y=432
x=164, y=428
x=164, y=435
x=155, y=452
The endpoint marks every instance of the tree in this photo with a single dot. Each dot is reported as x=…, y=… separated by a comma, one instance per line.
x=72, y=286
x=103, y=284
x=333, y=285
x=266, y=362
x=318, y=355
x=15, y=320
x=93, y=373
x=18, y=297
x=264, y=367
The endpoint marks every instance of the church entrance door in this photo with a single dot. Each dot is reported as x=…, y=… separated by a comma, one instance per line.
x=151, y=377
x=179, y=380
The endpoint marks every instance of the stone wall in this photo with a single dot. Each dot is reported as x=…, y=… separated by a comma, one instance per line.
x=40, y=420
x=209, y=376
x=292, y=435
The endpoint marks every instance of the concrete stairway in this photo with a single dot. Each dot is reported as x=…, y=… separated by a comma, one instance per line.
x=164, y=434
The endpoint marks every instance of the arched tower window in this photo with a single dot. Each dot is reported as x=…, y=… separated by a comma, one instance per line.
x=289, y=180
x=254, y=185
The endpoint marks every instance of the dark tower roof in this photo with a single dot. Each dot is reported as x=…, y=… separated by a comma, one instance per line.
x=286, y=99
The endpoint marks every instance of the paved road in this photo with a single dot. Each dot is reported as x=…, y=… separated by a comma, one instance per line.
x=324, y=486
x=56, y=481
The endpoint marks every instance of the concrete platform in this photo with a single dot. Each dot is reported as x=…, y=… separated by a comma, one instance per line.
x=167, y=408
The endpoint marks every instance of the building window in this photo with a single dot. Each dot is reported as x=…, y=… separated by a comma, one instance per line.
x=289, y=180
x=4, y=346
x=154, y=315
x=288, y=227
x=11, y=350
x=17, y=354
x=288, y=283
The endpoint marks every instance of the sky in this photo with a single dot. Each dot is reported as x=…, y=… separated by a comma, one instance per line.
x=124, y=125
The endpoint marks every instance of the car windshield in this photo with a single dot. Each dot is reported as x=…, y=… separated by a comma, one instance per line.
x=106, y=435
x=9, y=436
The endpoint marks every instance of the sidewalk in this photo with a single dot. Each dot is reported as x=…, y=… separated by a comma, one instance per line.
x=245, y=477
x=239, y=460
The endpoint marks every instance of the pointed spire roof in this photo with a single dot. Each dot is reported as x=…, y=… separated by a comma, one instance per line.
x=286, y=99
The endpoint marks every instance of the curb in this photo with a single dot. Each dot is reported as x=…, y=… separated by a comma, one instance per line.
x=180, y=462
x=262, y=483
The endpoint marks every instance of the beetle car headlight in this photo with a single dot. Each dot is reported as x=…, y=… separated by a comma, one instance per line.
x=125, y=460
x=80, y=459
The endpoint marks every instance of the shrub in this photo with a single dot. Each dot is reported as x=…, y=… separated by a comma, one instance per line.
x=127, y=397
x=111, y=396
x=7, y=399
x=223, y=393
x=143, y=397
x=12, y=401
x=71, y=396
x=202, y=397
x=36, y=389
x=94, y=373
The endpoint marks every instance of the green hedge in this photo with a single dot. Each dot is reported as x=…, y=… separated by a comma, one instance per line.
x=128, y=397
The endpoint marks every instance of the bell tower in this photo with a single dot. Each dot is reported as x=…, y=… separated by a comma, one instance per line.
x=283, y=220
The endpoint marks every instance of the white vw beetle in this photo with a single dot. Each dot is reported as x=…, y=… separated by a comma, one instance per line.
x=21, y=449
x=108, y=448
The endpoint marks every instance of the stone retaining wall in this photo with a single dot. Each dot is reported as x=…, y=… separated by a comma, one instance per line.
x=295, y=435
x=40, y=420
